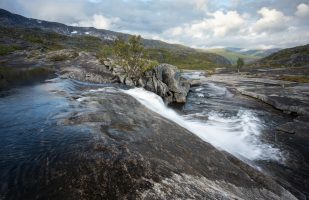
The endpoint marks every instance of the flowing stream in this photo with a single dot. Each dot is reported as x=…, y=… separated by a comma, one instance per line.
x=34, y=142
x=237, y=134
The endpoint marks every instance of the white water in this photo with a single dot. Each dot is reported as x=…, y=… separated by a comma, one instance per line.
x=192, y=75
x=238, y=135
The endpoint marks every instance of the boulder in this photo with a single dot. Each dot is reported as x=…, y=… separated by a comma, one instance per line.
x=128, y=81
x=165, y=80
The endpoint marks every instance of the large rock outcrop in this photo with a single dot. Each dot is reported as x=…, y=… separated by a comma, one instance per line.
x=142, y=155
x=164, y=80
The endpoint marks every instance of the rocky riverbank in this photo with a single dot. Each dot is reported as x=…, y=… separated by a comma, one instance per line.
x=150, y=157
x=288, y=97
x=140, y=154
x=131, y=152
x=164, y=80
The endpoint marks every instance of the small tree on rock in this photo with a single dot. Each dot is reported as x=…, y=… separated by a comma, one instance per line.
x=132, y=57
x=240, y=64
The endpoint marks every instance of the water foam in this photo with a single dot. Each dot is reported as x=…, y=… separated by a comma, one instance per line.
x=237, y=135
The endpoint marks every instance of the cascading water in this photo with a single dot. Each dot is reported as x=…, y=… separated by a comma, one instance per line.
x=238, y=135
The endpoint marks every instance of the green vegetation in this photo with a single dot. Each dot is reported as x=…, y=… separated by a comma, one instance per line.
x=12, y=76
x=233, y=56
x=86, y=43
x=178, y=55
x=295, y=78
x=132, y=57
x=157, y=44
x=240, y=64
x=105, y=52
x=292, y=57
x=6, y=49
x=51, y=40
x=185, y=59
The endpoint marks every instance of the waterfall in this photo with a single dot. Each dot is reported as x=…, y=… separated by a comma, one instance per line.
x=238, y=135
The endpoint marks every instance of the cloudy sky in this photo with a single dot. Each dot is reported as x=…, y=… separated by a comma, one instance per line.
x=197, y=23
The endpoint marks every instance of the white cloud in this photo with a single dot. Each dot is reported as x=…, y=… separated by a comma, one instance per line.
x=272, y=21
x=98, y=21
x=224, y=24
x=219, y=24
x=271, y=29
x=302, y=10
x=175, y=31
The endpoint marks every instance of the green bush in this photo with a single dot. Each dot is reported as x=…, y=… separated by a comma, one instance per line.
x=240, y=63
x=104, y=52
x=132, y=57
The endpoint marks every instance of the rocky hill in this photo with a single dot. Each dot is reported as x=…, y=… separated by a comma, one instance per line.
x=291, y=57
x=16, y=26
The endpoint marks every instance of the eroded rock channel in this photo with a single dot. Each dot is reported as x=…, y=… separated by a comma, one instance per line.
x=90, y=134
x=96, y=142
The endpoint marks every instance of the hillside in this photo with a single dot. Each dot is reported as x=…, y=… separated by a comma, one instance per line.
x=249, y=55
x=291, y=57
x=8, y=19
x=253, y=52
x=233, y=56
x=18, y=32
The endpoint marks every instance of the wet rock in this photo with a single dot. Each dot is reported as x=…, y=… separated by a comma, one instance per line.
x=282, y=101
x=296, y=127
x=145, y=156
x=287, y=128
x=291, y=98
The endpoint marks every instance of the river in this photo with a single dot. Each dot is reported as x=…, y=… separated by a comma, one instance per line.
x=37, y=146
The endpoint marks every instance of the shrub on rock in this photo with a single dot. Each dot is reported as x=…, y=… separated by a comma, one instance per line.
x=132, y=57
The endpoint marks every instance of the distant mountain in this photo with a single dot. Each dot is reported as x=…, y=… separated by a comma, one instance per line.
x=184, y=57
x=249, y=55
x=254, y=52
x=233, y=56
x=291, y=57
